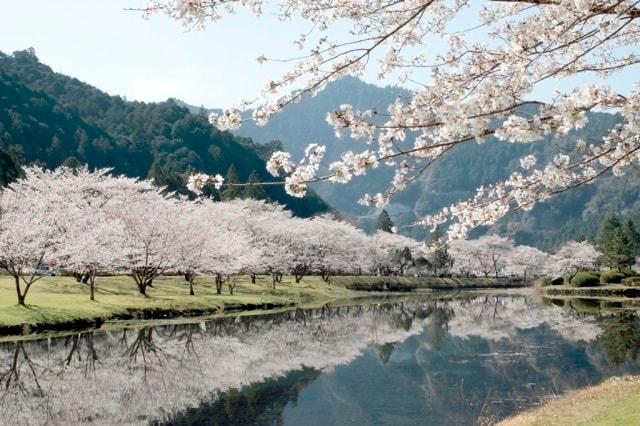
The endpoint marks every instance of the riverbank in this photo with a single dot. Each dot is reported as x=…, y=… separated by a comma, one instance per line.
x=61, y=303
x=393, y=283
x=57, y=303
x=610, y=290
x=615, y=401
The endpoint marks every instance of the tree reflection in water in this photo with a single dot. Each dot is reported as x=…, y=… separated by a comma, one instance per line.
x=620, y=339
x=450, y=360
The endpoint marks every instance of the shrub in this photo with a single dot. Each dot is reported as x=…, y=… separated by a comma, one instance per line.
x=632, y=281
x=611, y=277
x=585, y=279
x=545, y=280
x=586, y=305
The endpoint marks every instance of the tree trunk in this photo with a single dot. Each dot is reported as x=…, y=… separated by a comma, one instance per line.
x=299, y=273
x=191, y=293
x=21, y=296
x=92, y=280
x=274, y=277
x=218, y=283
x=253, y=278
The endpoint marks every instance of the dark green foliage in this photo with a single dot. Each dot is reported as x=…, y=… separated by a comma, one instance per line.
x=631, y=281
x=231, y=191
x=253, y=190
x=385, y=351
x=611, y=277
x=402, y=258
x=260, y=403
x=621, y=338
x=9, y=168
x=617, y=250
x=384, y=222
x=51, y=119
x=629, y=229
x=557, y=281
x=585, y=279
x=584, y=305
x=439, y=260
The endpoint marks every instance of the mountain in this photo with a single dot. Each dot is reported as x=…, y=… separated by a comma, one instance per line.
x=455, y=176
x=51, y=119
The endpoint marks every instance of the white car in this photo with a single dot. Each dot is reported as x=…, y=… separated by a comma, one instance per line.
x=45, y=270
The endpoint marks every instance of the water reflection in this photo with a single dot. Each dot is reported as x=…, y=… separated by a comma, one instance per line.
x=451, y=361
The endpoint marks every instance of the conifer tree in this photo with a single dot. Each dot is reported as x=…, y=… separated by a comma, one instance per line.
x=384, y=222
x=440, y=259
x=254, y=189
x=616, y=248
x=633, y=236
x=231, y=191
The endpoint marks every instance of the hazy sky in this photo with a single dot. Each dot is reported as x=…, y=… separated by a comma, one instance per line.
x=116, y=50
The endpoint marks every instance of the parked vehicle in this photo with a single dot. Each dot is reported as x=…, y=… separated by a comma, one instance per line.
x=45, y=270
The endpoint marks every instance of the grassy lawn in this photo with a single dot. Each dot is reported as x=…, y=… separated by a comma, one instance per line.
x=614, y=402
x=61, y=299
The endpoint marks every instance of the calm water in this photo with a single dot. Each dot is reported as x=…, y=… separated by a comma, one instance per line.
x=452, y=361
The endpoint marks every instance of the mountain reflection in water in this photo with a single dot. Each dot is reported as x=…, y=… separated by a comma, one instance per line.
x=449, y=361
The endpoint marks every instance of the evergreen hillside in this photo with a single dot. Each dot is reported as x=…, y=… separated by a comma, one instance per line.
x=51, y=119
x=454, y=177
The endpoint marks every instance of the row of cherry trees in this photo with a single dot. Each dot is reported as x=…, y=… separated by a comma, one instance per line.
x=493, y=255
x=91, y=222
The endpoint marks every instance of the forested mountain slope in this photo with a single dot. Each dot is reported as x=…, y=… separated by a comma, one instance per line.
x=51, y=119
x=457, y=175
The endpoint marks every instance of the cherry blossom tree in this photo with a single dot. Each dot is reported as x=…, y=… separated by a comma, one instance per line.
x=92, y=239
x=91, y=246
x=525, y=261
x=269, y=228
x=30, y=232
x=484, y=82
x=335, y=246
x=573, y=257
x=149, y=232
x=465, y=259
x=194, y=232
x=382, y=248
x=488, y=254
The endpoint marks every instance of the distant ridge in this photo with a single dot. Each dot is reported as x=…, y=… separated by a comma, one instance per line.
x=51, y=119
x=568, y=216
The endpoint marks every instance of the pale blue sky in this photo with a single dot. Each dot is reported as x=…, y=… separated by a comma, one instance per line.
x=116, y=50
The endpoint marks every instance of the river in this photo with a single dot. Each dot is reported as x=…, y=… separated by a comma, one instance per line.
x=444, y=361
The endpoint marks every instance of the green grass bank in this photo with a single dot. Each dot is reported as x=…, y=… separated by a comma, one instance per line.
x=613, y=402
x=61, y=303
